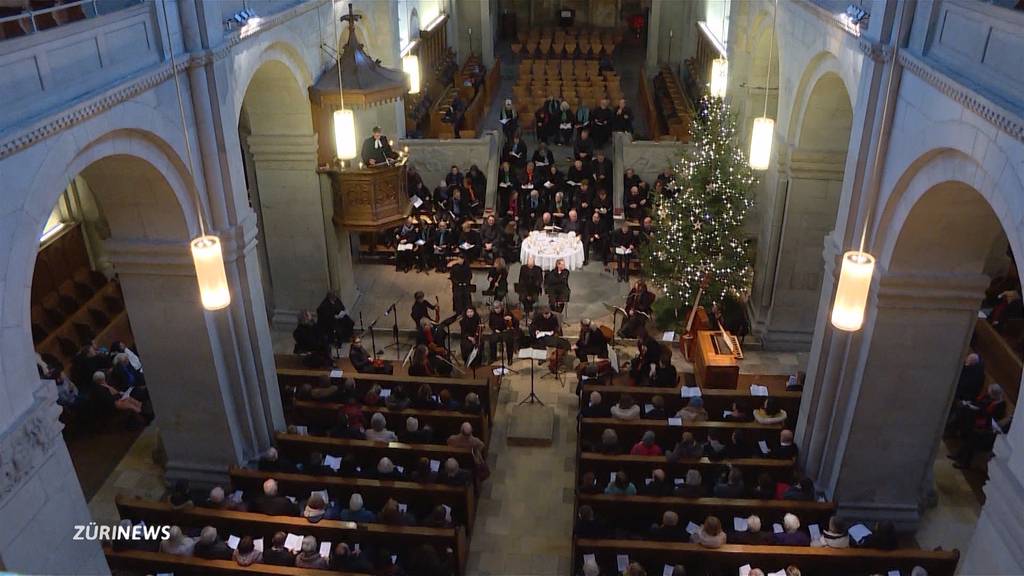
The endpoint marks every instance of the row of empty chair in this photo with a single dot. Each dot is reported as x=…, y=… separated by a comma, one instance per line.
x=570, y=42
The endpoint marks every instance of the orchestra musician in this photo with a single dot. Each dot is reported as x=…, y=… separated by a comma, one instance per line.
x=461, y=277
x=546, y=323
x=469, y=330
x=377, y=149
x=639, y=308
x=645, y=366
x=556, y=286
x=421, y=308
x=504, y=328
x=623, y=244
x=530, y=279
x=591, y=342
x=433, y=339
x=497, y=278
x=420, y=364
x=333, y=320
x=362, y=361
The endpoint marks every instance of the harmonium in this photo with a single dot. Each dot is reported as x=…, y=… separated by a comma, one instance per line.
x=716, y=353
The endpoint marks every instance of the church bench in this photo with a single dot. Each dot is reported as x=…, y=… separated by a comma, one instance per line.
x=290, y=370
x=375, y=493
x=444, y=422
x=727, y=559
x=640, y=467
x=257, y=525
x=368, y=452
x=159, y=563
x=715, y=400
x=630, y=431
x=643, y=511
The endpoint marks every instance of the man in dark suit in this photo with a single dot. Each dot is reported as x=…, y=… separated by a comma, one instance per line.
x=377, y=149
x=271, y=503
x=591, y=342
x=333, y=320
x=596, y=234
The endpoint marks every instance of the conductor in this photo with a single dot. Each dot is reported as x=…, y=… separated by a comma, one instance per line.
x=377, y=149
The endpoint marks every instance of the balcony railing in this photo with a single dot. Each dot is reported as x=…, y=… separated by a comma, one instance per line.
x=23, y=17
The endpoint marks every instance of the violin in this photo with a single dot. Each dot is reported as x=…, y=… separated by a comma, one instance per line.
x=437, y=310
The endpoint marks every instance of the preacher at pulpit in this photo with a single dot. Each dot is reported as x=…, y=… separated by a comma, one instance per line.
x=376, y=149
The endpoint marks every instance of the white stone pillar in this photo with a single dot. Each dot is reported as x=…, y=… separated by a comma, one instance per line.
x=486, y=33
x=212, y=414
x=882, y=425
x=803, y=212
x=41, y=500
x=654, y=36
x=292, y=216
x=997, y=546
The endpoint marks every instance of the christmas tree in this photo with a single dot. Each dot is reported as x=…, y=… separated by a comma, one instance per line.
x=698, y=239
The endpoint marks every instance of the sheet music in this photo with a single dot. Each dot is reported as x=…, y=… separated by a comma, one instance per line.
x=293, y=542
x=385, y=393
x=233, y=541
x=739, y=524
x=777, y=528
x=675, y=421
x=622, y=561
x=337, y=373
x=745, y=570
x=322, y=493
x=421, y=242
x=332, y=462
x=764, y=447
x=544, y=334
x=435, y=465
x=404, y=247
x=416, y=201
x=815, y=532
x=669, y=336
x=622, y=250
x=689, y=391
x=859, y=532
x=758, y=390
x=668, y=570
x=692, y=528
x=325, y=549
x=258, y=544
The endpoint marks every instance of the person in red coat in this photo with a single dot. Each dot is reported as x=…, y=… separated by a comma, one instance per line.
x=646, y=446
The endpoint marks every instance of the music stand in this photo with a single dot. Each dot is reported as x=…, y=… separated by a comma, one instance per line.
x=393, y=308
x=531, y=354
x=502, y=344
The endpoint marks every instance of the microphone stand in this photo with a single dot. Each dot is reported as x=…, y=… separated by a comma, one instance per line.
x=373, y=339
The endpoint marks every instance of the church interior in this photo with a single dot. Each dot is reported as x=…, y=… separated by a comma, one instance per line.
x=511, y=287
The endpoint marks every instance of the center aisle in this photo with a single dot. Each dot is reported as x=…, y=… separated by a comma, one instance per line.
x=525, y=511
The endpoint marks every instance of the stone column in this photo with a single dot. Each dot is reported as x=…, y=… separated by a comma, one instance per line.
x=339, y=247
x=653, y=36
x=802, y=213
x=882, y=424
x=210, y=413
x=41, y=500
x=486, y=34
x=289, y=192
x=997, y=546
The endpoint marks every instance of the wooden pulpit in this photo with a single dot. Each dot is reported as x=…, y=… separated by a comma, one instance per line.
x=714, y=363
x=369, y=199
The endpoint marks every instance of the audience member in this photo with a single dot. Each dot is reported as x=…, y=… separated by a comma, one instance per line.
x=770, y=413
x=693, y=487
x=791, y=534
x=210, y=546
x=646, y=446
x=177, y=543
x=277, y=554
x=693, y=411
x=688, y=448
x=271, y=503
x=309, y=556
x=355, y=511
x=626, y=409
x=245, y=553
x=620, y=485
x=835, y=536
x=669, y=529
x=378, y=429
x=710, y=534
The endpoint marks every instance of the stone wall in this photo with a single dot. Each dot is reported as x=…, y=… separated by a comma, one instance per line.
x=433, y=159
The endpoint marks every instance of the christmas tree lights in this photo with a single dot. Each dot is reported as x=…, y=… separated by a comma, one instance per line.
x=698, y=237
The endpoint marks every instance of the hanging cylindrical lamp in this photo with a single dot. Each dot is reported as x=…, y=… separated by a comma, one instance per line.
x=207, y=256
x=761, y=143
x=719, y=77
x=763, y=134
x=213, y=281
x=345, y=134
x=411, y=66
x=852, y=291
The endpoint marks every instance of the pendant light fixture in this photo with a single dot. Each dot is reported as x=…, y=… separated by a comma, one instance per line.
x=207, y=256
x=858, y=266
x=344, y=120
x=763, y=134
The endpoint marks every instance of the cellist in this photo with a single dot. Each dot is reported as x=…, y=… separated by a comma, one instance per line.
x=469, y=327
x=639, y=307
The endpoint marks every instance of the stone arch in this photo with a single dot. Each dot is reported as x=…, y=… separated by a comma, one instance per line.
x=824, y=65
x=63, y=162
x=282, y=53
x=278, y=150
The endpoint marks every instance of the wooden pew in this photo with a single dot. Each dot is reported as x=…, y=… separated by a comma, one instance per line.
x=728, y=558
x=643, y=511
x=419, y=497
x=640, y=467
x=159, y=563
x=444, y=422
x=630, y=431
x=715, y=400
x=368, y=452
x=334, y=531
x=290, y=370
